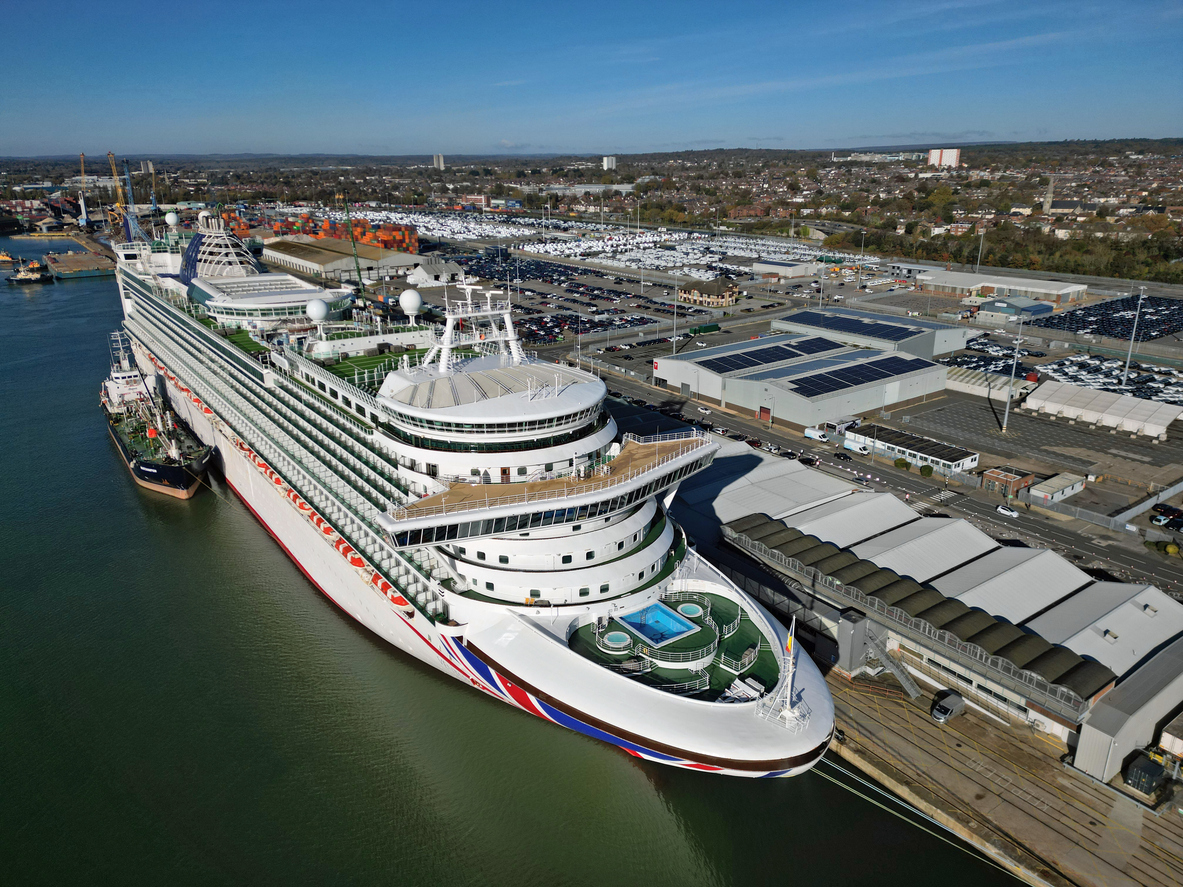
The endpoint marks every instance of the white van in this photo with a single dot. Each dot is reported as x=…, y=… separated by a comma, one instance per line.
x=817, y=434
x=859, y=448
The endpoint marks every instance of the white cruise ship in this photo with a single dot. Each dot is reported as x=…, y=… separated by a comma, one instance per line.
x=474, y=506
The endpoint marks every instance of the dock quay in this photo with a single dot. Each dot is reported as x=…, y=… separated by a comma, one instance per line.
x=71, y=265
x=1003, y=790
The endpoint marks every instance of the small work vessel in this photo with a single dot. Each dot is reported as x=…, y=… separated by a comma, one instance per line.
x=158, y=448
x=34, y=272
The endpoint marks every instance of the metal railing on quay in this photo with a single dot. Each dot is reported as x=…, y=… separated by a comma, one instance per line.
x=1055, y=697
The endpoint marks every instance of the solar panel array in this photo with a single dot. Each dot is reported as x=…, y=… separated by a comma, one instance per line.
x=887, y=331
x=745, y=360
x=852, y=376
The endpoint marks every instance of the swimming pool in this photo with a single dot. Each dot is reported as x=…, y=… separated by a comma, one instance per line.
x=658, y=624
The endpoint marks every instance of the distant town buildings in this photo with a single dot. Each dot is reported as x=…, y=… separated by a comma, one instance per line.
x=437, y=160
x=609, y=163
x=944, y=157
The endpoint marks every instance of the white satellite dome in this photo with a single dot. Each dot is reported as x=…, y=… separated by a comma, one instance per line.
x=171, y=219
x=317, y=310
x=410, y=301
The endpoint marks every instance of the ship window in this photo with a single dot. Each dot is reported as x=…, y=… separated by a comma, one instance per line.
x=590, y=556
x=577, y=528
x=620, y=546
x=521, y=470
x=320, y=385
x=641, y=576
x=488, y=586
x=566, y=558
x=550, y=466
x=474, y=471
x=480, y=555
x=460, y=550
x=604, y=588
x=503, y=559
x=636, y=536
x=584, y=592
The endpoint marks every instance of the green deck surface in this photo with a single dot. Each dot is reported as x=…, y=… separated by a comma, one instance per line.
x=765, y=669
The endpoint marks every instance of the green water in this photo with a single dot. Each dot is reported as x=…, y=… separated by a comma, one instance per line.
x=178, y=705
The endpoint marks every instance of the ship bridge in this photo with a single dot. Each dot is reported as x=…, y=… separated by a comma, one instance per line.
x=645, y=467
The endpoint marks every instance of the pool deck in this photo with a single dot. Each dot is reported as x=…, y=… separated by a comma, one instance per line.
x=765, y=669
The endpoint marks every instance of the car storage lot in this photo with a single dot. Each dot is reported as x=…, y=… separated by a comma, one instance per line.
x=975, y=423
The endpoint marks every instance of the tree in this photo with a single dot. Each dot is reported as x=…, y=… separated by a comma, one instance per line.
x=926, y=471
x=903, y=463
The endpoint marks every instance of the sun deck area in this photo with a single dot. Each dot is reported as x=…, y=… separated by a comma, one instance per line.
x=637, y=457
x=723, y=646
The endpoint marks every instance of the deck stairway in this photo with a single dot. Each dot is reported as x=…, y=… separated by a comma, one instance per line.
x=321, y=456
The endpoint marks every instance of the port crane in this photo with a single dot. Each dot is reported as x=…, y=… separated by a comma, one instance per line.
x=123, y=214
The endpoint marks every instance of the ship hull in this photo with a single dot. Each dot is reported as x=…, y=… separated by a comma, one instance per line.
x=408, y=629
x=178, y=481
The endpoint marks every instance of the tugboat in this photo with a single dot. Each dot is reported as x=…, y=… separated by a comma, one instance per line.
x=159, y=450
x=34, y=272
x=6, y=259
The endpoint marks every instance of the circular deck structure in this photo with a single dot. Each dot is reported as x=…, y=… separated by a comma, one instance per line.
x=692, y=611
x=617, y=640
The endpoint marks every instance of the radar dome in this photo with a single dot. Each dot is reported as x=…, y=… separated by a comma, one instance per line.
x=410, y=301
x=317, y=310
x=171, y=219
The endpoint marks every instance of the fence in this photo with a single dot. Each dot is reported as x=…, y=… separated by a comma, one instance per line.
x=1114, y=521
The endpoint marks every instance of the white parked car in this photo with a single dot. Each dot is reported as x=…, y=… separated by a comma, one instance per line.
x=1006, y=511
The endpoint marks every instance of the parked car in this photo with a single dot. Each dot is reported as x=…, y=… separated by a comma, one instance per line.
x=948, y=706
x=1006, y=511
x=843, y=457
x=1161, y=520
x=808, y=460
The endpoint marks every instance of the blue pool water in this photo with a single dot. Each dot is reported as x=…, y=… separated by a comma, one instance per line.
x=658, y=624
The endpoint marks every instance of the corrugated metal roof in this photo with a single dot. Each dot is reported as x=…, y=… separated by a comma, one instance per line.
x=927, y=547
x=1014, y=583
x=854, y=518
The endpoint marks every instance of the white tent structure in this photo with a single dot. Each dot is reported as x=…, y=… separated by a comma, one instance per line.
x=1132, y=414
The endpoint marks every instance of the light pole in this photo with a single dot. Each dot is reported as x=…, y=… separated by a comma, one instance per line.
x=1014, y=363
x=981, y=243
x=920, y=278
x=1134, y=332
x=861, y=252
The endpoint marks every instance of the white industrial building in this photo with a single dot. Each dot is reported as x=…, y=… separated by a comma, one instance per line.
x=1055, y=489
x=865, y=329
x=964, y=284
x=334, y=259
x=769, y=268
x=799, y=380
x=891, y=444
x=609, y=163
x=1106, y=409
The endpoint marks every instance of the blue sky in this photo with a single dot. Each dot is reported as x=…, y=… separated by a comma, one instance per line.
x=599, y=76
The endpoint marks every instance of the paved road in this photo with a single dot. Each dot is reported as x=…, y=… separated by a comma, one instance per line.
x=1094, y=547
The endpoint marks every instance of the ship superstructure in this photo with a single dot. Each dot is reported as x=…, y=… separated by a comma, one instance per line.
x=476, y=507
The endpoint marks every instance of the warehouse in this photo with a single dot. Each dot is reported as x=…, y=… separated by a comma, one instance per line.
x=992, y=386
x=334, y=259
x=944, y=458
x=1020, y=631
x=773, y=270
x=1104, y=408
x=799, y=381
x=863, y=329
x=962, y=283
x=999, y=312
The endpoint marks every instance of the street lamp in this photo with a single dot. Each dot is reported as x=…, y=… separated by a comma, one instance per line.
x=981, y=243
x=1014, y=363
x=1126, y=375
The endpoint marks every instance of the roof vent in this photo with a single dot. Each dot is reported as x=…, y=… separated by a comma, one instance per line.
x=1110, y=636
x=1150, y=610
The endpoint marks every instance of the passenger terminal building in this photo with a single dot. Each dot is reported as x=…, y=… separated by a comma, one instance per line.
x=1021, y=632
x=799, y=380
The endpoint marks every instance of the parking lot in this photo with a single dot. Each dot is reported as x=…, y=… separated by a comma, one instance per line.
x=1033, y=440
x=1159, y=318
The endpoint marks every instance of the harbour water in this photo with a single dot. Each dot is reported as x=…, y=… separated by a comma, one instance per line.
x=179, y=705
